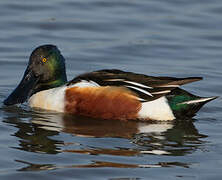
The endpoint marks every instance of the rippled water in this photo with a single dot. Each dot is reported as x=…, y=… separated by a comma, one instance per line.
x=173, y=38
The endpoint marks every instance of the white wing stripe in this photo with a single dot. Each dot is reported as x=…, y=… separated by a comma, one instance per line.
x=141, y=90
x=169, y=85
x=138, y=84
x=161, y=92
x=114, y=80
x=131, y=82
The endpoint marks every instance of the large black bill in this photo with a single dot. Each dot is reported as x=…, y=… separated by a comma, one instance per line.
x=23, y=90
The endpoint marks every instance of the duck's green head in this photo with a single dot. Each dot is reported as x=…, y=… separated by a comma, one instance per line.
x=45, y=70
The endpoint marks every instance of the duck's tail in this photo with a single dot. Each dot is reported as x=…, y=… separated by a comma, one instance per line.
x=185, y=104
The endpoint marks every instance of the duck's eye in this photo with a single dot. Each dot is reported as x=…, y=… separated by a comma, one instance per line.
x=44, y=60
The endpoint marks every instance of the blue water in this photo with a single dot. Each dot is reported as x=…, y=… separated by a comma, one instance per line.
x=168, y=38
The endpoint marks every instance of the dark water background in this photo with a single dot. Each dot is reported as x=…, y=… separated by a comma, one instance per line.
x=157, y=37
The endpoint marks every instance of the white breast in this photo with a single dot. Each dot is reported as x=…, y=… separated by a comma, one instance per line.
x=52, y=99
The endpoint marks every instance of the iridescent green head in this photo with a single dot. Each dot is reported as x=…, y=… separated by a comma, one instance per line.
x=48, y=65
x=45, y=70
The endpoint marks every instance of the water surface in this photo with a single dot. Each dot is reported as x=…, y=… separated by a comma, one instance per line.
x=172, y=38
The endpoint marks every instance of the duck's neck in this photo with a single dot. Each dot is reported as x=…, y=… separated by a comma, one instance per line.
x=59, y=81
x=56, y=83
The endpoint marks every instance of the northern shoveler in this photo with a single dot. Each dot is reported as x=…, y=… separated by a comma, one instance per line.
x=105, y=94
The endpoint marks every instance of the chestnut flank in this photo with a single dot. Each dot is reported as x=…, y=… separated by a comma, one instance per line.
x=102, y=102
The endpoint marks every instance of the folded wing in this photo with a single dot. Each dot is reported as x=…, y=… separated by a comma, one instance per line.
x=147, y=88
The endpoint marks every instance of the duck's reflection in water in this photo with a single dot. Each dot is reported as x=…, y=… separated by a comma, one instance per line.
x=88, y=127
x=39, y=134
x=171, y=138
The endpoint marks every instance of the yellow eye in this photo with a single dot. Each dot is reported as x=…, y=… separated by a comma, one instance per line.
x=44, y=60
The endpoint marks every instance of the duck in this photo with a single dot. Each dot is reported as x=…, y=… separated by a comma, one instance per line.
x=104, y=94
